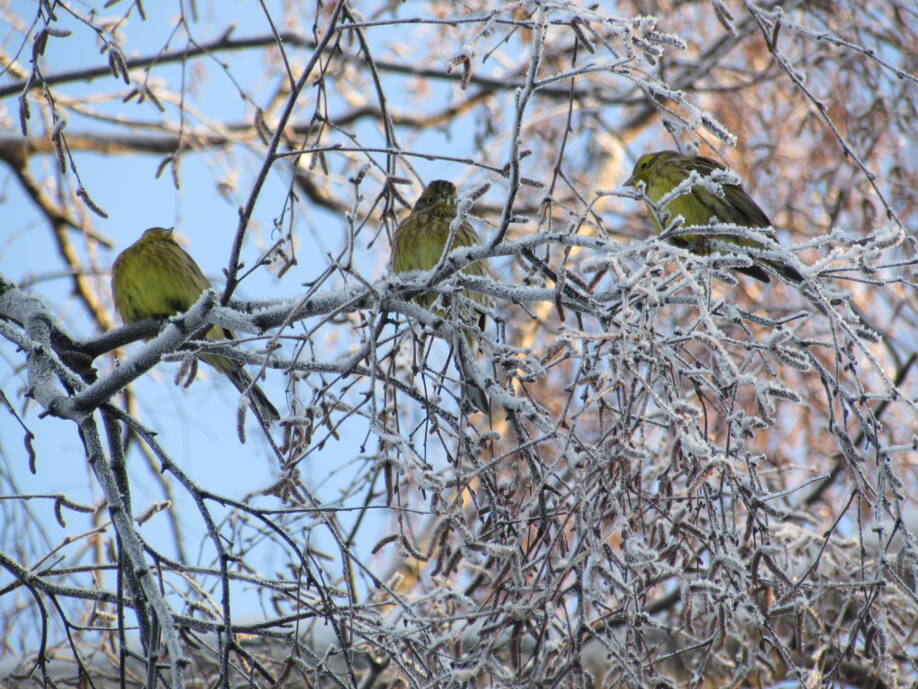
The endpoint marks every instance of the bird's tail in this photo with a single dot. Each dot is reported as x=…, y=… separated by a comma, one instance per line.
x=470, y=389
x=786, y=271
x=261, y=405
x=472, y=392
x=755, y=272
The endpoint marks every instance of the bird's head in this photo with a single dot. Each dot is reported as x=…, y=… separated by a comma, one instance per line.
x=439, y=196
x=156, y=234
x=649, y=165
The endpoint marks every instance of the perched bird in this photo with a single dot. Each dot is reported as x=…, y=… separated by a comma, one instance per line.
x=418, y=245
x=662, y=171
x=153, y=278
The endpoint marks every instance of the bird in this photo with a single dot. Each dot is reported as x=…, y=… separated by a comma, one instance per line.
x=662, y=171
x=156, y=278
x=418, y=244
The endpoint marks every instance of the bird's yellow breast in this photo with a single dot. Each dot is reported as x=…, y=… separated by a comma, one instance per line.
x=155, y=278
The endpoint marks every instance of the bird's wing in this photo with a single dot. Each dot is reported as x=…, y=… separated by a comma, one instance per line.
x=744, y=204
x=704, y=166
x=740, y=203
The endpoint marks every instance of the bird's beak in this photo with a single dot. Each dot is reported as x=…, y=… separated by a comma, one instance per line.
x=629, y=182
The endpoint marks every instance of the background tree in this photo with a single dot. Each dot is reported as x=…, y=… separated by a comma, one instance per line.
x=689, y=478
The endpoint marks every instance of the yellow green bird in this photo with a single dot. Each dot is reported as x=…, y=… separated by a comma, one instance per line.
x=418, y=244
x=156, y=278
x=662, y=171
